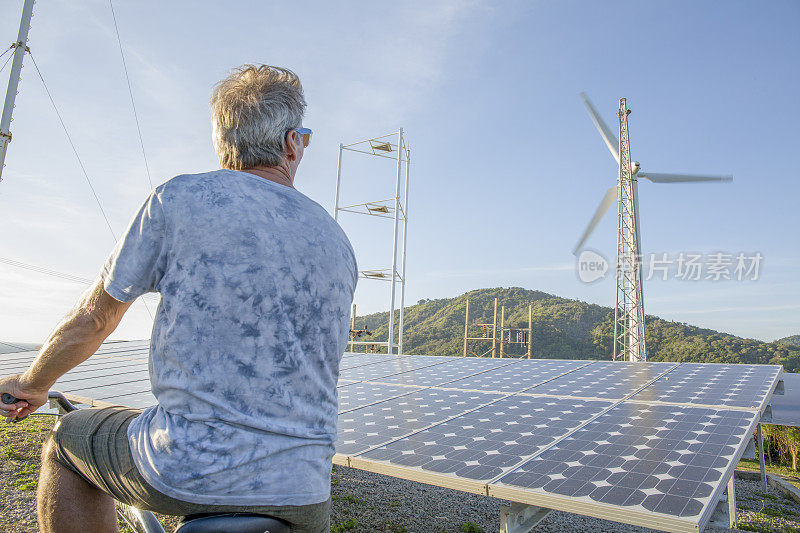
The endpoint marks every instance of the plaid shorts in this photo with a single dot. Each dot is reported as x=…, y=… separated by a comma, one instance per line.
x=93, y=443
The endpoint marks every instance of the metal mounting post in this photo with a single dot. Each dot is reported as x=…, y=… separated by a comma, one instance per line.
x=761, y=462
x=724, y=515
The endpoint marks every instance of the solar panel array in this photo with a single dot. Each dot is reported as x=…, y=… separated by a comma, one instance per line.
x=651, y=444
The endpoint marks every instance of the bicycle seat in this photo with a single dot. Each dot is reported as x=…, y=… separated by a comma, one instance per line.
x=233, y=523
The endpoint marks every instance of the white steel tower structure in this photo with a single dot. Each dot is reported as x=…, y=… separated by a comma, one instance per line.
x=629, y=341
x=394, y=208
x=20, y=47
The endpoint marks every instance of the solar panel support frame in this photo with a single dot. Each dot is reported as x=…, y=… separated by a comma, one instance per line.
x=521, y=518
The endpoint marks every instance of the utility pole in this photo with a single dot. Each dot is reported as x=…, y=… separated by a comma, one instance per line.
x=629, y=311
x=20, y=47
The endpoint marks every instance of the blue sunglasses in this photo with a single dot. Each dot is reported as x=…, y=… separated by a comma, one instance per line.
x=305, y=134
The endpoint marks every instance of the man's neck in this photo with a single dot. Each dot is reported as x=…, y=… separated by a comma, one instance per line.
x=279, y=175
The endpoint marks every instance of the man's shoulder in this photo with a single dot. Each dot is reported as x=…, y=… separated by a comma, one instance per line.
x=189, y=182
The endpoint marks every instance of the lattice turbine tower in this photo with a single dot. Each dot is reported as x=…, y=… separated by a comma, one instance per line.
x=629, y=340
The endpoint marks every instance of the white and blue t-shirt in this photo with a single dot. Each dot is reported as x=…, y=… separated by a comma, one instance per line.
x=256, y=282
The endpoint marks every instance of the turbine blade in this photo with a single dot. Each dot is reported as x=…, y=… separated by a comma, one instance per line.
x=607, y=134
x=681, y=178
x=608, y=199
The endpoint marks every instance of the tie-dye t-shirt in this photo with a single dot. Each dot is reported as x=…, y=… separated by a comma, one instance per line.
x=256, y=283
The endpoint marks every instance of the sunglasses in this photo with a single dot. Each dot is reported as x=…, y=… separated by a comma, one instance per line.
x=305, y=134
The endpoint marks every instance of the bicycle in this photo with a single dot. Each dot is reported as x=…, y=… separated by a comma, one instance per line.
x=145, y=522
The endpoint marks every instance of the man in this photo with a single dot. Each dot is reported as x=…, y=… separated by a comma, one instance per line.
x=256, y=283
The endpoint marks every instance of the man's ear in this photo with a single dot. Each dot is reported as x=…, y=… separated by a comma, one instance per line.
x=292, y=144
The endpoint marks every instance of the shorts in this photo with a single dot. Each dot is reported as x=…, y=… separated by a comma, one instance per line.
x=93, y=443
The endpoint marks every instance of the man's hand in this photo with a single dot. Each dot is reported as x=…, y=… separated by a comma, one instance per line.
x=28, y=400
x=76, y=338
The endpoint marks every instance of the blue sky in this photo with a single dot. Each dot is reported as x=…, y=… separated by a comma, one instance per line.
x=507, y=167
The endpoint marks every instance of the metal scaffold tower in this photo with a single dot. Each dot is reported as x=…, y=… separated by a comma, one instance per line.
x=485, y=329
x=391, y=146
x=629, y=342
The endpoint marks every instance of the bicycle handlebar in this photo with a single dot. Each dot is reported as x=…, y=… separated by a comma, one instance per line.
x=62, y=400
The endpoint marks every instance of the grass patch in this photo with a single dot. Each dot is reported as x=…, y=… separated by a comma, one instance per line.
x=788, y=474
x=471, y=527
x=10, y=452
x=748, y=526
x=346, y=525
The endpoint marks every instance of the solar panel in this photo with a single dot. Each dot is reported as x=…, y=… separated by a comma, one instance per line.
x=15, y=367
x=111, y=391
x=137, y=400
x=86, y=370
x=521, y=375
x=715, y=385
x=373, y=425
x=603, y=379
x=388, y=368
x=449, y=370
x=642, y=459
x=480, y=445
x=83, y=383
x=350, y=360
x=359, y=394
x=786, y=408
x=11, y=357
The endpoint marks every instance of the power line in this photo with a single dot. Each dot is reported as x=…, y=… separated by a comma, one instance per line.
x=7, y=60
x=43, y=270
x=130, y=92
x=80, y=162
x=72, y=144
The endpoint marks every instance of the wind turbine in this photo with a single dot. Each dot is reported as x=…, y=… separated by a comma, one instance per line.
x=629, y=342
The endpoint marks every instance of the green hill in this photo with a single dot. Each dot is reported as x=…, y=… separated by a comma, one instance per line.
x=792, y=340
x=568, y=329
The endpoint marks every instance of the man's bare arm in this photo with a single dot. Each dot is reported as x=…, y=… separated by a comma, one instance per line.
x=75, y=339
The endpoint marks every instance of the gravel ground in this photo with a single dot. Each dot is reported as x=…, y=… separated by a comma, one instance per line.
x=367, y=502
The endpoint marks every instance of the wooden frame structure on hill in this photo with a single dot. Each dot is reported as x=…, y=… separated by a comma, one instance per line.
x=522, y=336
x=486, y=328
x=508, y=335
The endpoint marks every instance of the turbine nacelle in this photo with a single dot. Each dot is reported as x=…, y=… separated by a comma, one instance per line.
x=635, y=167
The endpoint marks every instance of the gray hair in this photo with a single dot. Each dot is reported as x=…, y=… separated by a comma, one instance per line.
x=251, y=111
